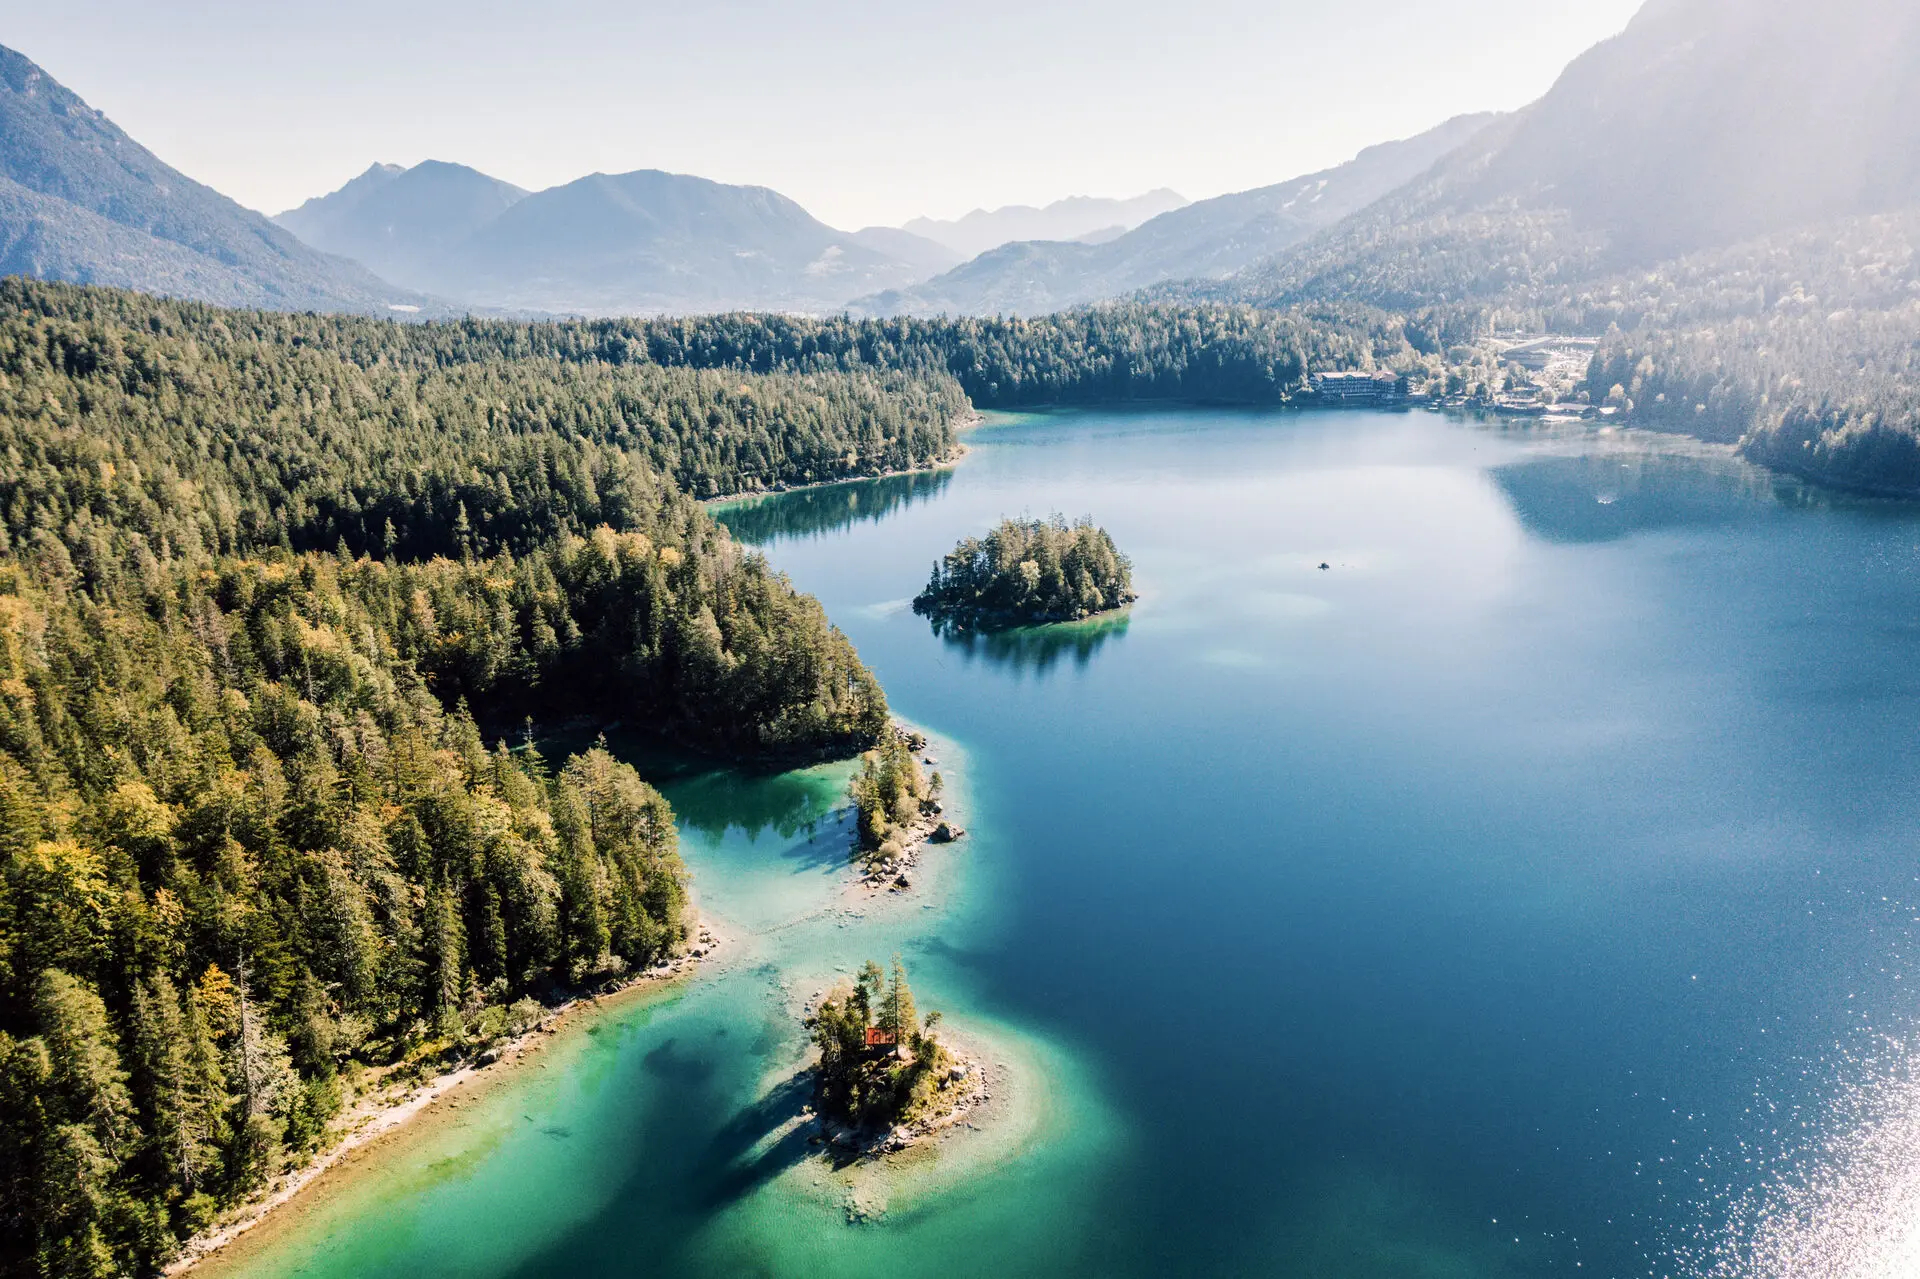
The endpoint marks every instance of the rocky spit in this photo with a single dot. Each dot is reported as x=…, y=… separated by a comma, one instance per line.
x=895, y=875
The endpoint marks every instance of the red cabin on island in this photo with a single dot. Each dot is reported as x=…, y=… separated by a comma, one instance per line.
x=878, y=1038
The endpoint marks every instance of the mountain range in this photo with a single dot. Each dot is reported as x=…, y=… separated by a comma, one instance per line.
x=80, y=200
x=1078, y=217
x=1211, y=238
x=397, y=220
x=1704, y=124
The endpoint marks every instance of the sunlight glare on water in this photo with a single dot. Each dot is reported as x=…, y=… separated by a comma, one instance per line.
x=1851, y=1209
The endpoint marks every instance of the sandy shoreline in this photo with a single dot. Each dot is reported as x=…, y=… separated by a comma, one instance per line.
x=391, y=1119
x=381, y=1115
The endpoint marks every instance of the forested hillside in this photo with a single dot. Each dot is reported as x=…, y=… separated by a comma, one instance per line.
x=1805, y=349
x=247, y=846
x=1094, y=355
x=272, y=589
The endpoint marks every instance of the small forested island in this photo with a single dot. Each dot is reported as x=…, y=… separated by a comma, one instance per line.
x=1029, y=573
x=884, y=1078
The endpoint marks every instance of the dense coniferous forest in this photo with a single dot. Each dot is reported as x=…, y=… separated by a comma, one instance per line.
x=262, y=581
x=1094, y=355
x=250, y=845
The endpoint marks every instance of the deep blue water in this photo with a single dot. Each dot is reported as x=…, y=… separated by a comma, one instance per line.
x=1490, y=874
x=1530, y=891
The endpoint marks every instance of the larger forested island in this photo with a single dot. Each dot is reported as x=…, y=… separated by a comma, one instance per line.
x=1029, y=573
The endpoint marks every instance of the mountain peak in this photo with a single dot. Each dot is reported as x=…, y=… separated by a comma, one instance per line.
x=393, y=219
x=645, y=240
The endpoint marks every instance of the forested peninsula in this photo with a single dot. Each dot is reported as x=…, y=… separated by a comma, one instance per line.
x=1028, y=573
x=264, y=580
x=278, y=596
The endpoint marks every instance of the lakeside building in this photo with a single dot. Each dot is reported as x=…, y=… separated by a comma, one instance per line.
x=1359, y=390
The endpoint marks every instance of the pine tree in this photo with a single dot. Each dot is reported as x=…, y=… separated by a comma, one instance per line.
x=85, y=1061
x=181, y=1079
x=899, y=1015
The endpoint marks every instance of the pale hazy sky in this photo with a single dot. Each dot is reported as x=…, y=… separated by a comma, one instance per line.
x=864, y=112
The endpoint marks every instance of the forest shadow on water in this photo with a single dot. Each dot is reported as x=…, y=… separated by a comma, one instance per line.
x=696, y=1169
x=829, y=508
x=712, y=796
x=1034, y=649
x=739, y=1161
x=1609, y=495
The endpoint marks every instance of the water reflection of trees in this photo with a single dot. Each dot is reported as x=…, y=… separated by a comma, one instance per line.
x=810, y=512
x=711, y=795
x=1034, y=648
x=786, y=804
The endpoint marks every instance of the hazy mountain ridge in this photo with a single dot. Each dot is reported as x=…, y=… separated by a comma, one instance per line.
x=1074, y=218
x=928, y=257
x=84, y=202
x=1704, y=124
x=1207, y=238
x=632, y=243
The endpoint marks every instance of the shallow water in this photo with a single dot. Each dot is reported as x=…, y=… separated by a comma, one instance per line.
x=1530, y=891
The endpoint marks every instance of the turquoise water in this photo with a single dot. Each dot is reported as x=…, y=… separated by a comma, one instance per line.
x=1530, y=891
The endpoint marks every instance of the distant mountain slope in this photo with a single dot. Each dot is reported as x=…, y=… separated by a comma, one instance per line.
x=926, y=257
x=81, y=201
x=1073, y=218
x=397, y=221
x=1706, y=122
x=1210, y=238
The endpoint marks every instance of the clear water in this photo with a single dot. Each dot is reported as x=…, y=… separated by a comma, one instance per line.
x=1530, y=891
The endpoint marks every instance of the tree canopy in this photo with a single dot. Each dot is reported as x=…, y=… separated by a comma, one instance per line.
x=1029, y=572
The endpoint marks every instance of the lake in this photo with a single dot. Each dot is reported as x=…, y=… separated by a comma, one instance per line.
x=1530, y=890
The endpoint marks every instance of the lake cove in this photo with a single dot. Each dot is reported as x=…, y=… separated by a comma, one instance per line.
x=1478, y=905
